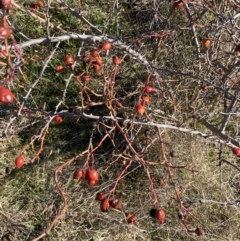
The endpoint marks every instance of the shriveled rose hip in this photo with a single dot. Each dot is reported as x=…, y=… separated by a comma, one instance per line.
x=116, y=60
x=104, y=205
x=115, y=203
x=199, y=231
x=237, y=49
x=173, y=154
x=160, y=182
x=96, y=68
x=100, y=196
x=78, y=174
x=33, y=7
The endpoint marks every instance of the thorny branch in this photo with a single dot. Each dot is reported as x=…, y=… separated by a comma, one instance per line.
x=126, y=126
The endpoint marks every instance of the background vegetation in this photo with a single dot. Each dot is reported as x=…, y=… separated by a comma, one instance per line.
x=193, y=111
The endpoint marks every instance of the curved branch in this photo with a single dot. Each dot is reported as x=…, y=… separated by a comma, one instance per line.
x=94, y=38
x=62, y=193
x=220, y=137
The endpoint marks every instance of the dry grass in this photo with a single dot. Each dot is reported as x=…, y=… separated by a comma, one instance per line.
x=29, y=201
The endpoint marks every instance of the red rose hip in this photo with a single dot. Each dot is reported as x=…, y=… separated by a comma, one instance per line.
x=78, y=174
x=236, y=151
x=19, y=161
x=6, y=96
x=93, y=175
x=160, y=215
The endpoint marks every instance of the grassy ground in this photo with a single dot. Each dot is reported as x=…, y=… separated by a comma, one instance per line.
x=29, y=199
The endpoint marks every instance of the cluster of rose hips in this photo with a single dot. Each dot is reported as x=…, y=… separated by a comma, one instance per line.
x=106, y=203
x=92, y=177
x=145, y=99
x=6, y=96
x=93, y=59
x=89, y=175
x=5, y=31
